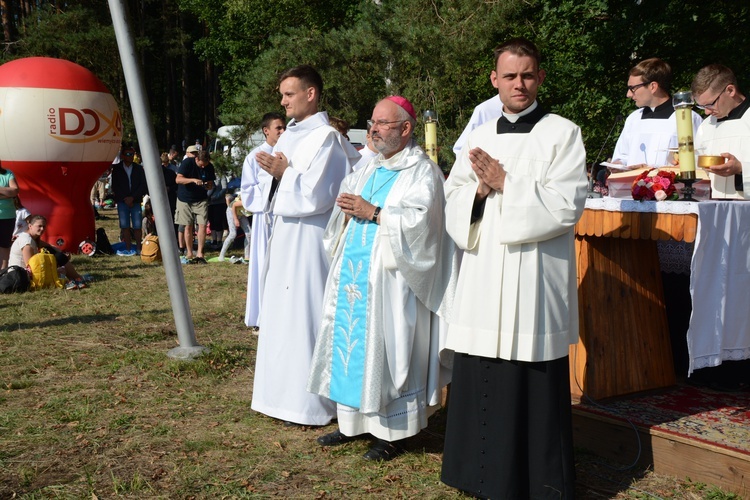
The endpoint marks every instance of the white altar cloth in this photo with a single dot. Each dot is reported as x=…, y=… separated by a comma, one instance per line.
x=720, y=275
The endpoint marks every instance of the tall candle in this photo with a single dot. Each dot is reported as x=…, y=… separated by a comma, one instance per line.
x=430, y=134
x=685, y=142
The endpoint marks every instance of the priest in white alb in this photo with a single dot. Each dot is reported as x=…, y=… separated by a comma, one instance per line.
x=254, y=191
x=307, y=166
x=379, y=350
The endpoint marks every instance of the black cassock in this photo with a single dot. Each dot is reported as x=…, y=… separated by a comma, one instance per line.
x=509, y=431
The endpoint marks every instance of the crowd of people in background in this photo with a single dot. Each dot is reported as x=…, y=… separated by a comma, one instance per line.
x=210, y=227
x=123, y=187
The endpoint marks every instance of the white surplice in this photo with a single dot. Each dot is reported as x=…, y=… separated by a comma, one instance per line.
x=483, y=112
x=730, y=135
x=649, y=140
x=296, y=268
x=412, y=273
x=517, y=296
x=254, y=190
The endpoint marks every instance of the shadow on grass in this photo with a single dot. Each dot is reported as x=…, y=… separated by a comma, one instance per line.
x=430, y=439
x=86, y=319
x=115, y=277
x=597, y=477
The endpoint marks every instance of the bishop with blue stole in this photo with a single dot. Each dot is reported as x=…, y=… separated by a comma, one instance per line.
x=378, y=350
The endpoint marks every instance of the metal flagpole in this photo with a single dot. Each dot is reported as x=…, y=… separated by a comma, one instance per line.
x=189, y=348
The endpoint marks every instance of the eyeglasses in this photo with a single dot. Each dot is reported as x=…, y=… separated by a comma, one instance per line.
x=712, y=105
x=128, y=154
x=383, y=125
x=633, y=88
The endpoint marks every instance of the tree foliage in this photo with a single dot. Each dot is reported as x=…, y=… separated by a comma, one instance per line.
x=209, y=62
x=81, y=31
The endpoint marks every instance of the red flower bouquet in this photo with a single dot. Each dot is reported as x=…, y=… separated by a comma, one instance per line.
x=655, y=184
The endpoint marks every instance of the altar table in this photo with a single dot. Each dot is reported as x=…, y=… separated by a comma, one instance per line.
x=624, y=342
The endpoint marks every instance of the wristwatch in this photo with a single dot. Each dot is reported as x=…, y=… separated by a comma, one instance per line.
x=375, y=215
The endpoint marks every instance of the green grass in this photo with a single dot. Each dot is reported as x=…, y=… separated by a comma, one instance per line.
x=92, y=407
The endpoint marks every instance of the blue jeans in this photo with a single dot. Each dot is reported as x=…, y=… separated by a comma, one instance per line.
x=129, y=216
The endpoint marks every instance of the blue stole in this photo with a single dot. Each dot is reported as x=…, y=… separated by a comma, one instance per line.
x=350, y=320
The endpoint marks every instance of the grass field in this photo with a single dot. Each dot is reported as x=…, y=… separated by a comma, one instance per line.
x=91, y=406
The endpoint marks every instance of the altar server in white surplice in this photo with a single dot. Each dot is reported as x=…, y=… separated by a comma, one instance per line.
x=254, y=191
x=379, y=349
x=512, y=201
x=725, y=132
x=651, y=130
x=307, y=166
x=483, y=112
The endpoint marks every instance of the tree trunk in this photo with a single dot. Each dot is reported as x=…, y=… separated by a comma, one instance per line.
x=6, y=17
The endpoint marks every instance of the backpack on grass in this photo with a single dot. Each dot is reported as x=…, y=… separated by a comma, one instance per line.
x=14, y=279
x=43, y=269
x=102, y=242
x=150, y=251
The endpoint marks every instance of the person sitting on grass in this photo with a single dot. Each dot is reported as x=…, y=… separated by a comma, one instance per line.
x=28, y=243
x=149, y=222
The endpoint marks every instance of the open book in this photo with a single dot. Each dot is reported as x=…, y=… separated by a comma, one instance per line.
x=700, y=173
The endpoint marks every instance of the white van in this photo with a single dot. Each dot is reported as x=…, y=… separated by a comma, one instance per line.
x=358, y=137
x=229, y=143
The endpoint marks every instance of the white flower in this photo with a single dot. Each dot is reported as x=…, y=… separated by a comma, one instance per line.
x=660, y=195
x=649, y=185
x=653, y=173
x=352, y=292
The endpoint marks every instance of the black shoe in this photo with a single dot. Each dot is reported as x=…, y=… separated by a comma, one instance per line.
x=384, y=450
x=334, y=438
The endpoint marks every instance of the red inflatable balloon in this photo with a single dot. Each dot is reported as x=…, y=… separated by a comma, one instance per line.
x=59, y=131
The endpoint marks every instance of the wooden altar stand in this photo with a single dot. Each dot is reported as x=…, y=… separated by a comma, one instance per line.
x=624, y=344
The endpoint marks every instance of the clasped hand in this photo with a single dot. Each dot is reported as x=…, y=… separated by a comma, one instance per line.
x=273, y=164
x=355, y=206
x=489, y=171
